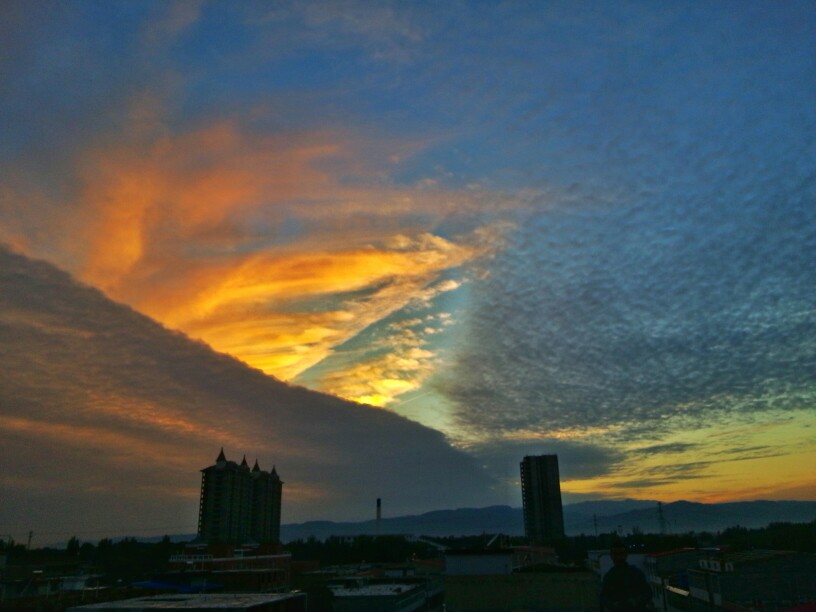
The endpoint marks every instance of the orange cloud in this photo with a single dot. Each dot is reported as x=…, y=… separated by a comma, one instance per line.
x=274, y=249
x=708, y=476
x=802, y=489
x=248, y=312
x=145, y=205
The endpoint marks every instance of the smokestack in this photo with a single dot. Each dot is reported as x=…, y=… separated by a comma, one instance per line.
x=379, y=514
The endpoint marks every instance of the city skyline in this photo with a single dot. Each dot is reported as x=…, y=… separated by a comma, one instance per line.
x=516, y=229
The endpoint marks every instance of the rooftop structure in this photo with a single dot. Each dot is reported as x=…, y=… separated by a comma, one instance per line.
x=255, y=602
x=525, y=589
x=769, y=579
x=362, y=594
x=481, y=562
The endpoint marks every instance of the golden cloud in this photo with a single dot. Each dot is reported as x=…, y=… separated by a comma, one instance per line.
x=258, y=244
x=248, y=312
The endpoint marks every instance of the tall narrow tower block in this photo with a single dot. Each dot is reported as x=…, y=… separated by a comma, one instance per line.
x=541, y=493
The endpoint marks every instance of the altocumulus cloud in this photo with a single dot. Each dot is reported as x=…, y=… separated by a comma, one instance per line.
x=672, y=283
x=717, y=323
x=107, y=416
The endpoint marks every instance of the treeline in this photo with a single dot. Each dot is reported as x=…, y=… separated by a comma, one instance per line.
x=129, y=559
x=776, y=536
x=125, y=560
x=800, y=537
x=358, y=549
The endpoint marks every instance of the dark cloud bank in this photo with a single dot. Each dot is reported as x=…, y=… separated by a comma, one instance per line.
x=107, y=418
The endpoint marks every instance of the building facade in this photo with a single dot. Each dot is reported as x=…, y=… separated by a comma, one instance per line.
x=238, y=504
x=753, y=579
x=513, y=579
x=667, y=573
x=541, y=494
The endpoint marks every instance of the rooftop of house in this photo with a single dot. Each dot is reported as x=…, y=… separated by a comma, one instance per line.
x=372, y=589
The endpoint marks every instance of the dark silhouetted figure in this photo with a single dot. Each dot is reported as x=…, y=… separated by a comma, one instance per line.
x=625, y=588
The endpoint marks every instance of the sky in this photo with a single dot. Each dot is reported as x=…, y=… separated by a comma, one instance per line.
x=108, y=417
x=586, y=229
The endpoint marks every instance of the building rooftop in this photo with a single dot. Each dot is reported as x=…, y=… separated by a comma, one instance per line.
x=218, y=601
x=673, y=551
x=464, y=552
x=750, y=556
x=372, y=590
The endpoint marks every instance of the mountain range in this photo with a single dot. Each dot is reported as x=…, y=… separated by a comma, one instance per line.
x=579, y=518
x=608, y=515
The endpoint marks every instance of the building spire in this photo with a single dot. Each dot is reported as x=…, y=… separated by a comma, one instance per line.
x=256, y=468
x=221, y=456
x=244, y=463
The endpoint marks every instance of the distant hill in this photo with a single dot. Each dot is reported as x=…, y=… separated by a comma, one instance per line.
x=462, y=521
x=684, y=516
x=621, y=515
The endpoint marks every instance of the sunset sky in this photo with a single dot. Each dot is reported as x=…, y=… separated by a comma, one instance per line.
x=534, y=227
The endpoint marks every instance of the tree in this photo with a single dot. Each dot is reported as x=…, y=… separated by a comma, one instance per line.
x=72, y=548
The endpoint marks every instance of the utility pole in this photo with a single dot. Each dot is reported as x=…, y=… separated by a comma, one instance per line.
x=595, y=522
x=30, y=535
x=661, y=518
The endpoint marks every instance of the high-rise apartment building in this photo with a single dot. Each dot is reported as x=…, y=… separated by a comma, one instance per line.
x=541, y=493
x=238, y=504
